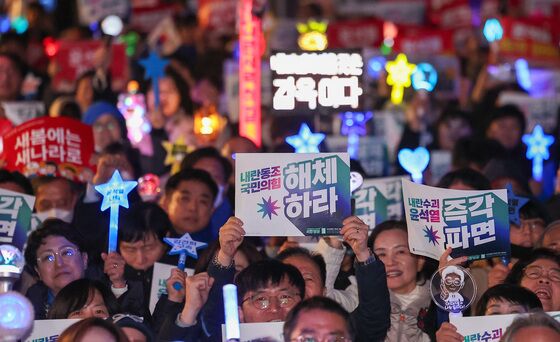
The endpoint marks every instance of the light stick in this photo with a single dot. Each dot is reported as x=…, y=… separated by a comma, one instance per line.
x=514, y=204
x=425, y=77
x=231, y=312
x=537, y=149
x=493, y=30
x=523, y=74
x=399, y=72
x=306, y=141
x=414, y=162
x=155, y=69
x=183, y=246
x=354, y=125
x=115, y=194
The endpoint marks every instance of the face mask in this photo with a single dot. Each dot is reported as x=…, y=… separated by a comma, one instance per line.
x=64, y=215
x=220, y=196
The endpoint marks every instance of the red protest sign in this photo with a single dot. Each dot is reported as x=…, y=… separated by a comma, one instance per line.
x=50, y=146
x=420, y=41
x=74, y=58
x=217, y=15
x=355, y=33
x=530, y=39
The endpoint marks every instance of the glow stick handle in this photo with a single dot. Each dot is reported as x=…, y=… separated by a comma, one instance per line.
x=181, y=266
x=113, y=228
x=231, y=312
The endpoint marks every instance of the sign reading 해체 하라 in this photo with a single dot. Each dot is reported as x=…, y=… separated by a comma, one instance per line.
x=292, y=194
x=473, y=223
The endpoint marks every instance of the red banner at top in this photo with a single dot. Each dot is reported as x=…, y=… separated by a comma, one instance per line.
x=50, y=146
x=530, y=39
x=419, y=41
x=352, y=34
x=74, y=58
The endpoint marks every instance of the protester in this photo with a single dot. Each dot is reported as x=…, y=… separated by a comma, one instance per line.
x=534, y=327
x=83, y=298
x=92, y=329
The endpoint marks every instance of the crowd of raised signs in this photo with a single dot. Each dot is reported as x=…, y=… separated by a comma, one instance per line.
x=363, y=284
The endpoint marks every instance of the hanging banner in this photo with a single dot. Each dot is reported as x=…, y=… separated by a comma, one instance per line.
x=15, y=217
x=292, y=194
x=487, y=328
x=473, y=223
x=378, y=200
x=350, y=34
x=318, y=81
x=421, y=41
x=50, y=146
x=75, y=58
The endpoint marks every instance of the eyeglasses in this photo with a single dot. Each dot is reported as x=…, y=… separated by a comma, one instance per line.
x=456, y=282
x=262, y=301
x=535, y=272
x=66, y=253
x=328, y=338
x=532, y=224
x=99, y=127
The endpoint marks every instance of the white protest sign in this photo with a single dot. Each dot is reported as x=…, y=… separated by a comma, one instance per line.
x=541, y=111
x=262, y=332
x=372, y=153
x=378, y=200
x=90, y=11
x=487, y=328
x=292, y=194
x=49, y=329
x=160, y=274
x=473, y=223
x=19, y=112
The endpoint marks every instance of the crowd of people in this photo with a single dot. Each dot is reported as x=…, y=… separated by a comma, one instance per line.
x=365, y=285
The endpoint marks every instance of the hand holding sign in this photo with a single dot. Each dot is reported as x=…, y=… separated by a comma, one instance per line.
x=231, y=237
x=355, y=233
x=448, y=333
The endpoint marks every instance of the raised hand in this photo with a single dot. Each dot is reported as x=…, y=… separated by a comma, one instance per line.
x=177, y=276
x=231, y=236
x=114, y=268
x=197, y=288
x=355, y=233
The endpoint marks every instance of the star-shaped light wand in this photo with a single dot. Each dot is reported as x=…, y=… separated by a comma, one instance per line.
x=115, y=194
x=183, y=246
x=154, y=66
x=537, y=149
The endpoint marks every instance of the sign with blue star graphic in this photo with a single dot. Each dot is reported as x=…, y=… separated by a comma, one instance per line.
x=154, y=66
x=538, y=144
x=268, y=208
x=306, y=141
x=514, y=204
x=474, y=223
x=115, y=194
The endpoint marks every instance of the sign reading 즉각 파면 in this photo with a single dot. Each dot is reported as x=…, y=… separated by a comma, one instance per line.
x=15, y=217
x=292, y=194
x=378, y=200
x=473, y=223
x=318, y=80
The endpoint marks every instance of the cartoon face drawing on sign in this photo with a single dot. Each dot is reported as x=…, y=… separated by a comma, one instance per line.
x=453, y=280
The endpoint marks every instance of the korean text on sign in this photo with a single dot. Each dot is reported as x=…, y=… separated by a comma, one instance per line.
x=469, y=220
x=424, y=210
x=9, y=208
x=267, y=178
x=299, y=178
x=57, y=144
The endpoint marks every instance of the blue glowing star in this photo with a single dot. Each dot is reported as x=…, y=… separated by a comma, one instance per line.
x=268, y=208
x=4, y=24
x=155, y=69
x=493, y=30
x=184, y=244
x=523, y=74
x=414, y=162
x=537, y=149
x=375, y=66
x=432, y=236
x=306, y=141
x=514, y=204
x=424, y=77
x=115, y=194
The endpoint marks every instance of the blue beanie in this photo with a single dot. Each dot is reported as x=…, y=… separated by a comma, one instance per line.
x=100, y=108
